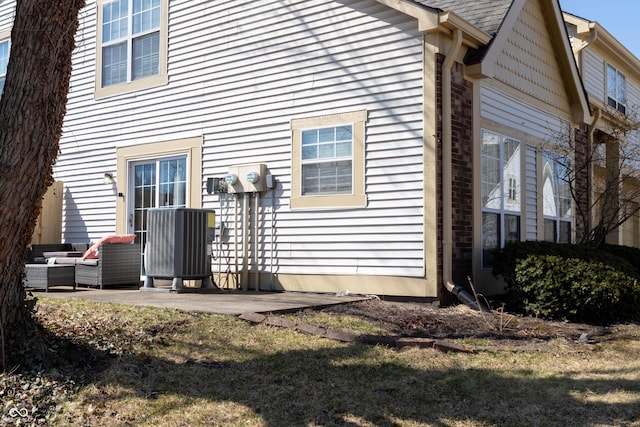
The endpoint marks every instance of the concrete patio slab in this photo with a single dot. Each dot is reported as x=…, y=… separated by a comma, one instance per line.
x=221, y=302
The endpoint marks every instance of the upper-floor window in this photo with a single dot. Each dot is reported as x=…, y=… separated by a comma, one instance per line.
x=616, y=89
x=4, y=61
x=328, y=161
x=132, y=45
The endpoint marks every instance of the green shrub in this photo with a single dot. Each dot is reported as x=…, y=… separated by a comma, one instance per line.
x=619, y=257
x=571, y=282
x=576, y=290
x=629, y=254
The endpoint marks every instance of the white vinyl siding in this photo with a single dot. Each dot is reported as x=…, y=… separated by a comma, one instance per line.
x=594, y=75
x=238, y=74
x=7, y=13
x=517, y=114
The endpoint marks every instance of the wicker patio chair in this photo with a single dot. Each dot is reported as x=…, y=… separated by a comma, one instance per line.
x=117, y=264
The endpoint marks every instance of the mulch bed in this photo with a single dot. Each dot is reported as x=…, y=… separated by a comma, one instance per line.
x=496, y=330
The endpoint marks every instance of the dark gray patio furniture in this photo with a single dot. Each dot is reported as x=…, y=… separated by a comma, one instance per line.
x=117, y=264
x=44, y=276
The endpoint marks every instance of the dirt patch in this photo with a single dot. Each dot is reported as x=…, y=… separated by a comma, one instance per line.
x=497, y=330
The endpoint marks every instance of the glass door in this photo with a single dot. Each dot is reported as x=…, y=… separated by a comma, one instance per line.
x=154, y=183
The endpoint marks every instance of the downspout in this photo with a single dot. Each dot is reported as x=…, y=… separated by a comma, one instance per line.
x=592, y=129
x=447, y=187
x=590, y=173
x=593, y=35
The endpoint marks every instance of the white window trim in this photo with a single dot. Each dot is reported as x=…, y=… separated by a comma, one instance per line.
x=191, y=147
x=135, y=85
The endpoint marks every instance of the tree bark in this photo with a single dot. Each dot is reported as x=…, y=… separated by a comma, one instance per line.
x=32, y=110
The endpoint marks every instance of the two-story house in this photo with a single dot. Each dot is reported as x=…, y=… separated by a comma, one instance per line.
x=404, y=140
x=611, y=76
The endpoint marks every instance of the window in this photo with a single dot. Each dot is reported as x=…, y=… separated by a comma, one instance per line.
x=513, y=189
x=500, y=194
x=616, y=89
x=4, y=62
x=556, y=198
x=328, y=161
x=131, y=45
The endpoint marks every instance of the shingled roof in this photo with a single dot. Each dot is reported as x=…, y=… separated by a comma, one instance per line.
x=487, y=15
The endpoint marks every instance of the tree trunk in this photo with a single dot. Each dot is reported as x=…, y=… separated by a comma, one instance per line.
x=32, y=110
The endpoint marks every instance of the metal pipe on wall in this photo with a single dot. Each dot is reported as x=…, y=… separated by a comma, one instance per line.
x=256, y=241
x=245, y=242
x=235, y=237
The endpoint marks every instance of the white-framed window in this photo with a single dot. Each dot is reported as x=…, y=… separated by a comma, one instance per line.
x=328, y=161
x=132, y=45
x=5, y=46
x=616, y=89
x=556, y=198
x=501, y=194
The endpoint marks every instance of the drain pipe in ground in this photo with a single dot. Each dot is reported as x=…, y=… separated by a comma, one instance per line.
x=447, y=205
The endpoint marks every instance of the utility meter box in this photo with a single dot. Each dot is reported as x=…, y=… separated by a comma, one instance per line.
x=250, y=178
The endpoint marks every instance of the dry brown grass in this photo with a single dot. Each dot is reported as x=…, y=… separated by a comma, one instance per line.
x=173, y=368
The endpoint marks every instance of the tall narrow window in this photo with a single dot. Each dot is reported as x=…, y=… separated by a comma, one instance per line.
x=556, y=198
x=4, y=62
x=500, y=194
x=131, y=45
x=616, y=89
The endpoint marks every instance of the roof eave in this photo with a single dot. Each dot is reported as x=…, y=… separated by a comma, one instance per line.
x=432, y=20
x=473, y=37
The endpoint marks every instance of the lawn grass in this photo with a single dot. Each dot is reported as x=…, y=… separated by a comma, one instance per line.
x=173, y=368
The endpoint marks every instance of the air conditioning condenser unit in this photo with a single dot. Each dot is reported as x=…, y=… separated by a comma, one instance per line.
x=177, y=245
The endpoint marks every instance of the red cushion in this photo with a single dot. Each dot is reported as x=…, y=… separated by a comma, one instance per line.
x=93, y=251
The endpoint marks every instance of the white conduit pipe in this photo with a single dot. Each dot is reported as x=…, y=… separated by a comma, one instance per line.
x=245, y=241
x=256, y=242
x=273, y=226
x=235, y=237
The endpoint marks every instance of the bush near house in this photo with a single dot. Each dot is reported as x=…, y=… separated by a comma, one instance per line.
x=577, y=283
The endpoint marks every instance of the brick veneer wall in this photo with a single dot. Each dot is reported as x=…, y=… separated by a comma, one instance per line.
x=462, y=173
